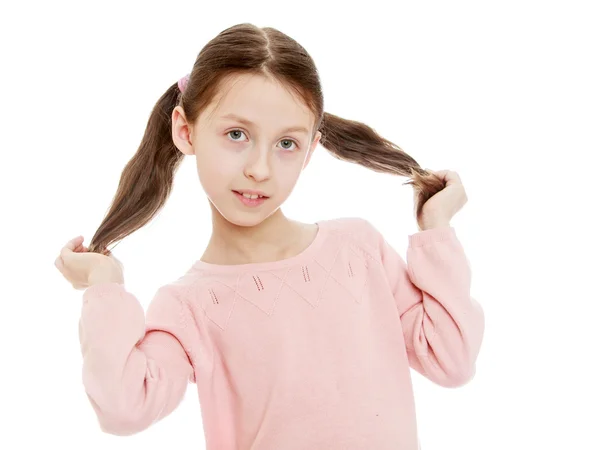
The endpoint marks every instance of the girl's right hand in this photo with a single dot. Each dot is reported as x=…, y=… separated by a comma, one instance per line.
x=83, y=269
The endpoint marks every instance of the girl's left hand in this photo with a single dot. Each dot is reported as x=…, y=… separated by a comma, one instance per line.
x=441, y=207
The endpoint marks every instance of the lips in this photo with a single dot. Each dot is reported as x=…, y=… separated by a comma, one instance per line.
x=260, y=194
x=251, y=202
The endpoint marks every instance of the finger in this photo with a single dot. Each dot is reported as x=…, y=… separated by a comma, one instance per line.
x=453, y=177
x=449, y=176
x=441, y=175
x=74, y=243
x=60, y=266
x=82, y=248
x=71, y=246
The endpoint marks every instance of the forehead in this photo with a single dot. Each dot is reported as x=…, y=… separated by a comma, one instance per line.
x=260, y=99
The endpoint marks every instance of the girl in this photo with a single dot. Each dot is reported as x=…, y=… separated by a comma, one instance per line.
x=298, y=336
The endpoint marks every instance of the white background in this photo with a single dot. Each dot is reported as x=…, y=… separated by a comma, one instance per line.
x=505, y=93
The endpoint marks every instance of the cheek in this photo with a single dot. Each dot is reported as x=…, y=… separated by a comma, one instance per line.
x=215, y=172
x=288, y=165
x=216, y=163
x=286, y=171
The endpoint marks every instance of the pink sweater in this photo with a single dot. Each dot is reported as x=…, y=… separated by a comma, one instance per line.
x=311, y=352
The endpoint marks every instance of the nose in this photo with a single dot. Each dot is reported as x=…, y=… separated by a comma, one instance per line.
x=257, y=166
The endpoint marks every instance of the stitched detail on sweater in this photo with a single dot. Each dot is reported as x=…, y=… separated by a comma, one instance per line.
x=258, y=282
x=347, y=266
x=305, y=274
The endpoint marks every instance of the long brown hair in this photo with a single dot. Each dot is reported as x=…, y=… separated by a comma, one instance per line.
x=147, y=179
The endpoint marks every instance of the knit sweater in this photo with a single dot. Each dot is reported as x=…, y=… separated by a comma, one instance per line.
x=310, y=352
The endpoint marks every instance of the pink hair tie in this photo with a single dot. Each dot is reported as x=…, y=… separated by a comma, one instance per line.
x=182, y=83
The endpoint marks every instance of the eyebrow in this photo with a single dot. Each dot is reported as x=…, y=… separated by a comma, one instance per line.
x=251, y=124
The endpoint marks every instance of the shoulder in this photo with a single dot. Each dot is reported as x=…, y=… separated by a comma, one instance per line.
x=360, y=232
x=170, y=295
x=353, y=226
x=178, y=299
x=178, y=291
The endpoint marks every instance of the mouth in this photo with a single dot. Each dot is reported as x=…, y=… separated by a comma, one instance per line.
x=251, y=195
x=250, y=199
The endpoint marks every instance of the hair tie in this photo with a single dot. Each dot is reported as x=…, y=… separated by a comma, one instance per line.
x=182, y=83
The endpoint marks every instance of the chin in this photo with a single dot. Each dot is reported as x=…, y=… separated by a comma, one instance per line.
x=242, y=220
x=237, y=216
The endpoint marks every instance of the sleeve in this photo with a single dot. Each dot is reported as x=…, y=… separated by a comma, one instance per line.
x=442, y=323
x=136, y=366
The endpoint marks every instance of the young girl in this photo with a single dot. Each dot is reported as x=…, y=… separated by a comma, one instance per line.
x=298, y=336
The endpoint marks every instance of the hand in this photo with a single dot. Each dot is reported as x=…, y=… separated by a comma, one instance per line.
x=441, y=207
x=82, y=268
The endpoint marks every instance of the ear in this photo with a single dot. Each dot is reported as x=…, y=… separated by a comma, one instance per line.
x=181, y=131
x=314, y=144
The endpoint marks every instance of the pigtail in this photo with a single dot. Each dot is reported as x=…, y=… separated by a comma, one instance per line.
x=358, y=143
x=146, y=180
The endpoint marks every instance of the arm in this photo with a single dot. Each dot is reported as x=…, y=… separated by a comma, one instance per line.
x=135, y=369
x=442, y=324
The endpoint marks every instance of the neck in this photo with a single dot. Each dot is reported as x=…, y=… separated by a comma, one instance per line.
x=275, y=238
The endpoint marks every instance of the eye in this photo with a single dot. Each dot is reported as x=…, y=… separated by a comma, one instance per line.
x=283, y=140
x=234, y=131
x=290, y=140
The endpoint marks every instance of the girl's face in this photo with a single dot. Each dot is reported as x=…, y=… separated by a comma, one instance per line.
x=266, y=155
